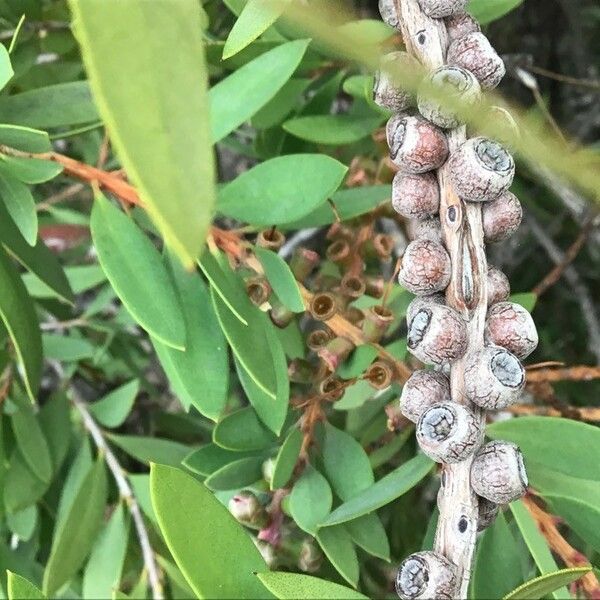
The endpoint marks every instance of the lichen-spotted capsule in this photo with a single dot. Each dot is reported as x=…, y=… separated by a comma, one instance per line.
x=425, y=576
x=481, y=169
x=498, y=472
x=494, y=378
x=498, y=286
x=452, y=83
x=459, y=25
x=385, y=92
x=389, y=14
x=474, y=53
x=439, y=9
x=488, y=511
x=425, y=229
x=449, y=432
x=416, y=145
x=501, y=217
x=425, y=267
x=416, y=196
x=423, y=389
x=509, y=325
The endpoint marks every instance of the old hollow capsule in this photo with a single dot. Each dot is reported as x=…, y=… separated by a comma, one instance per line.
x=426, y=576
x=386, y=93
x=416, y=196
x=481, y=169
x=389, y=14
x=425, y=267
x=501, y=217
x=422, y=390
x=425, y=229
x=488, y=511
x=449, y=432
x=438, y=9
x=509, y=325
x=494, y=378
x=442, y=90
x=416, y=145
x=437, y=334
x=498, y=473
x=461, y=24
x=474, y=53
x=498, y=286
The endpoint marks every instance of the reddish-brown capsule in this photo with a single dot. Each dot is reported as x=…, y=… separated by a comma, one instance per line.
x=501, y=217
x=474, y=53
x=509, y=325
x=498, y=473
x=452, y=84
x=425, y=268
x=437, y=334
x=385, y=92
x=449, y=432
x=425, y=575
x=494, y=378
x=416, y=146
x=425, y=229
x=498, y=286
x=481, y=169
x=416, y=196
x=439, y=9
x=459, y=25
x=422, y=390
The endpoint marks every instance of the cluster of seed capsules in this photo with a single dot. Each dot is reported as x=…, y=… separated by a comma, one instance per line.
x=481, y=171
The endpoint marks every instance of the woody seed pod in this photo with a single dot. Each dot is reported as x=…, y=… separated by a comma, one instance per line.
x=426, y=575
x=388, y=13
x=425, y=267
x=422, y=390
x=459, y=25
x=488, y=511
x=423, y=302
x=385, y=92
x=439, y=9
x=498, y=286
x=509, y=325
x=437, y=334
x=474, y=53
x=416, y=196
x=498, y=473
x=449, y=432
x=501, y=217
x=455, y=84
x=481, y=169
x=416, y=146
x=494, y=378
x=425, y=229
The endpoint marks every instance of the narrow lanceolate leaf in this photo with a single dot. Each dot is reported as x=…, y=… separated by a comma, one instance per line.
x=210, y=457
x=338, y=547
x=293, y=586
x=203, y=537
x=136, y=271
x=242, y=431
x=286, y=459
x=18, y=315
x=74, y=537
x=269, y=193
x=332, y=129
x=238, y=97
x=310, y=500
x=541, y=587
x=20, y=588
x=368, y=533
x=237, y=474
x=25, y=139
x=20, y=206
x=281, y=279
x=6, y=70
x=30, y=170
x=151, y=449
x=129, y=66
x=486, y=11
x=112, y=409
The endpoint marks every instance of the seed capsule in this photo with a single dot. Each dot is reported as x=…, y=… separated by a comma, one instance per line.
x=449, y=432
x=385, y=92
x=494, y=378
x=509, y=325
x=422, y=390
x=501, y=217
x=389, y=14
x=426, y=575
x=498, y=473
x=437, y=334
x=425, y=267
x=438, y=9
x=474, y=53
x=498, y=286
x=488, y=511
x=416, y=146
x=456, y=85
x=459, y=25
x=481, y=169
x=416, y=196
x=425, y=229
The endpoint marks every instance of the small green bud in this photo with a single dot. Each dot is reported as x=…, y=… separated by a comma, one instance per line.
x=268, y=469
x=246, y=509
x=311, y=557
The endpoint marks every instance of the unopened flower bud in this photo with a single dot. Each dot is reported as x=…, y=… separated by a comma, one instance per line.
x=268, y=553
x=509, y=325
x=416, y=196
x=426, y=575
x=311, y=557
x=423, y=389
x=426, y=267
x=501, y=217
x=246, y=509
x=268, y=469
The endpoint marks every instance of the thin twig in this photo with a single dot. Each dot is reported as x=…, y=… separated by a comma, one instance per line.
x=577, y=373
x=588, y=83
x=589, y=414
x=66, y=194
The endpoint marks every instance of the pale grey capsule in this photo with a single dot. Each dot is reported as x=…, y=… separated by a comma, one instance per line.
x=449, y=432
x=501, y=217
x=439, y=9
x=509, y=325
x=498, y=472
x=460, y=25
x=425, y=229
x=423, y=389
x=389, y=14
x=488, y=511
x=416, y=196
x=385, y=92
x=426, y=267
x=426, y=576
x=423, y=302
x=498, y=286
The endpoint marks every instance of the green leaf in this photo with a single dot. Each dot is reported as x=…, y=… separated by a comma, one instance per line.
x=486, y=11
x=281, y=105
x=135, y=271
x=129, y=65
x=6, y=70
x=55, y=421
x=286, y=459
x=540, y=587
x=269, y=193
x=24, y=138
x=66, y=348
x=74, y=537
x=151, y=449
x=242, y=431
x=527, y=300
x=21, y=589
x=30, y=170
x=256, y=17
x=81, y=278
x=53, y=106
x=103, y=570
x=332, y=129
x=23, y=522
x=22, y=487
x=310, y=500
x=112, y=409
x=210, y=458
x=237, y=474
x=293, y=586
x=336, y=543
x=189, y=516
x=18, y=315
x=382, y=492
x=235, y=99
x=281, y=279
x=20, y=206
x=368, y=533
